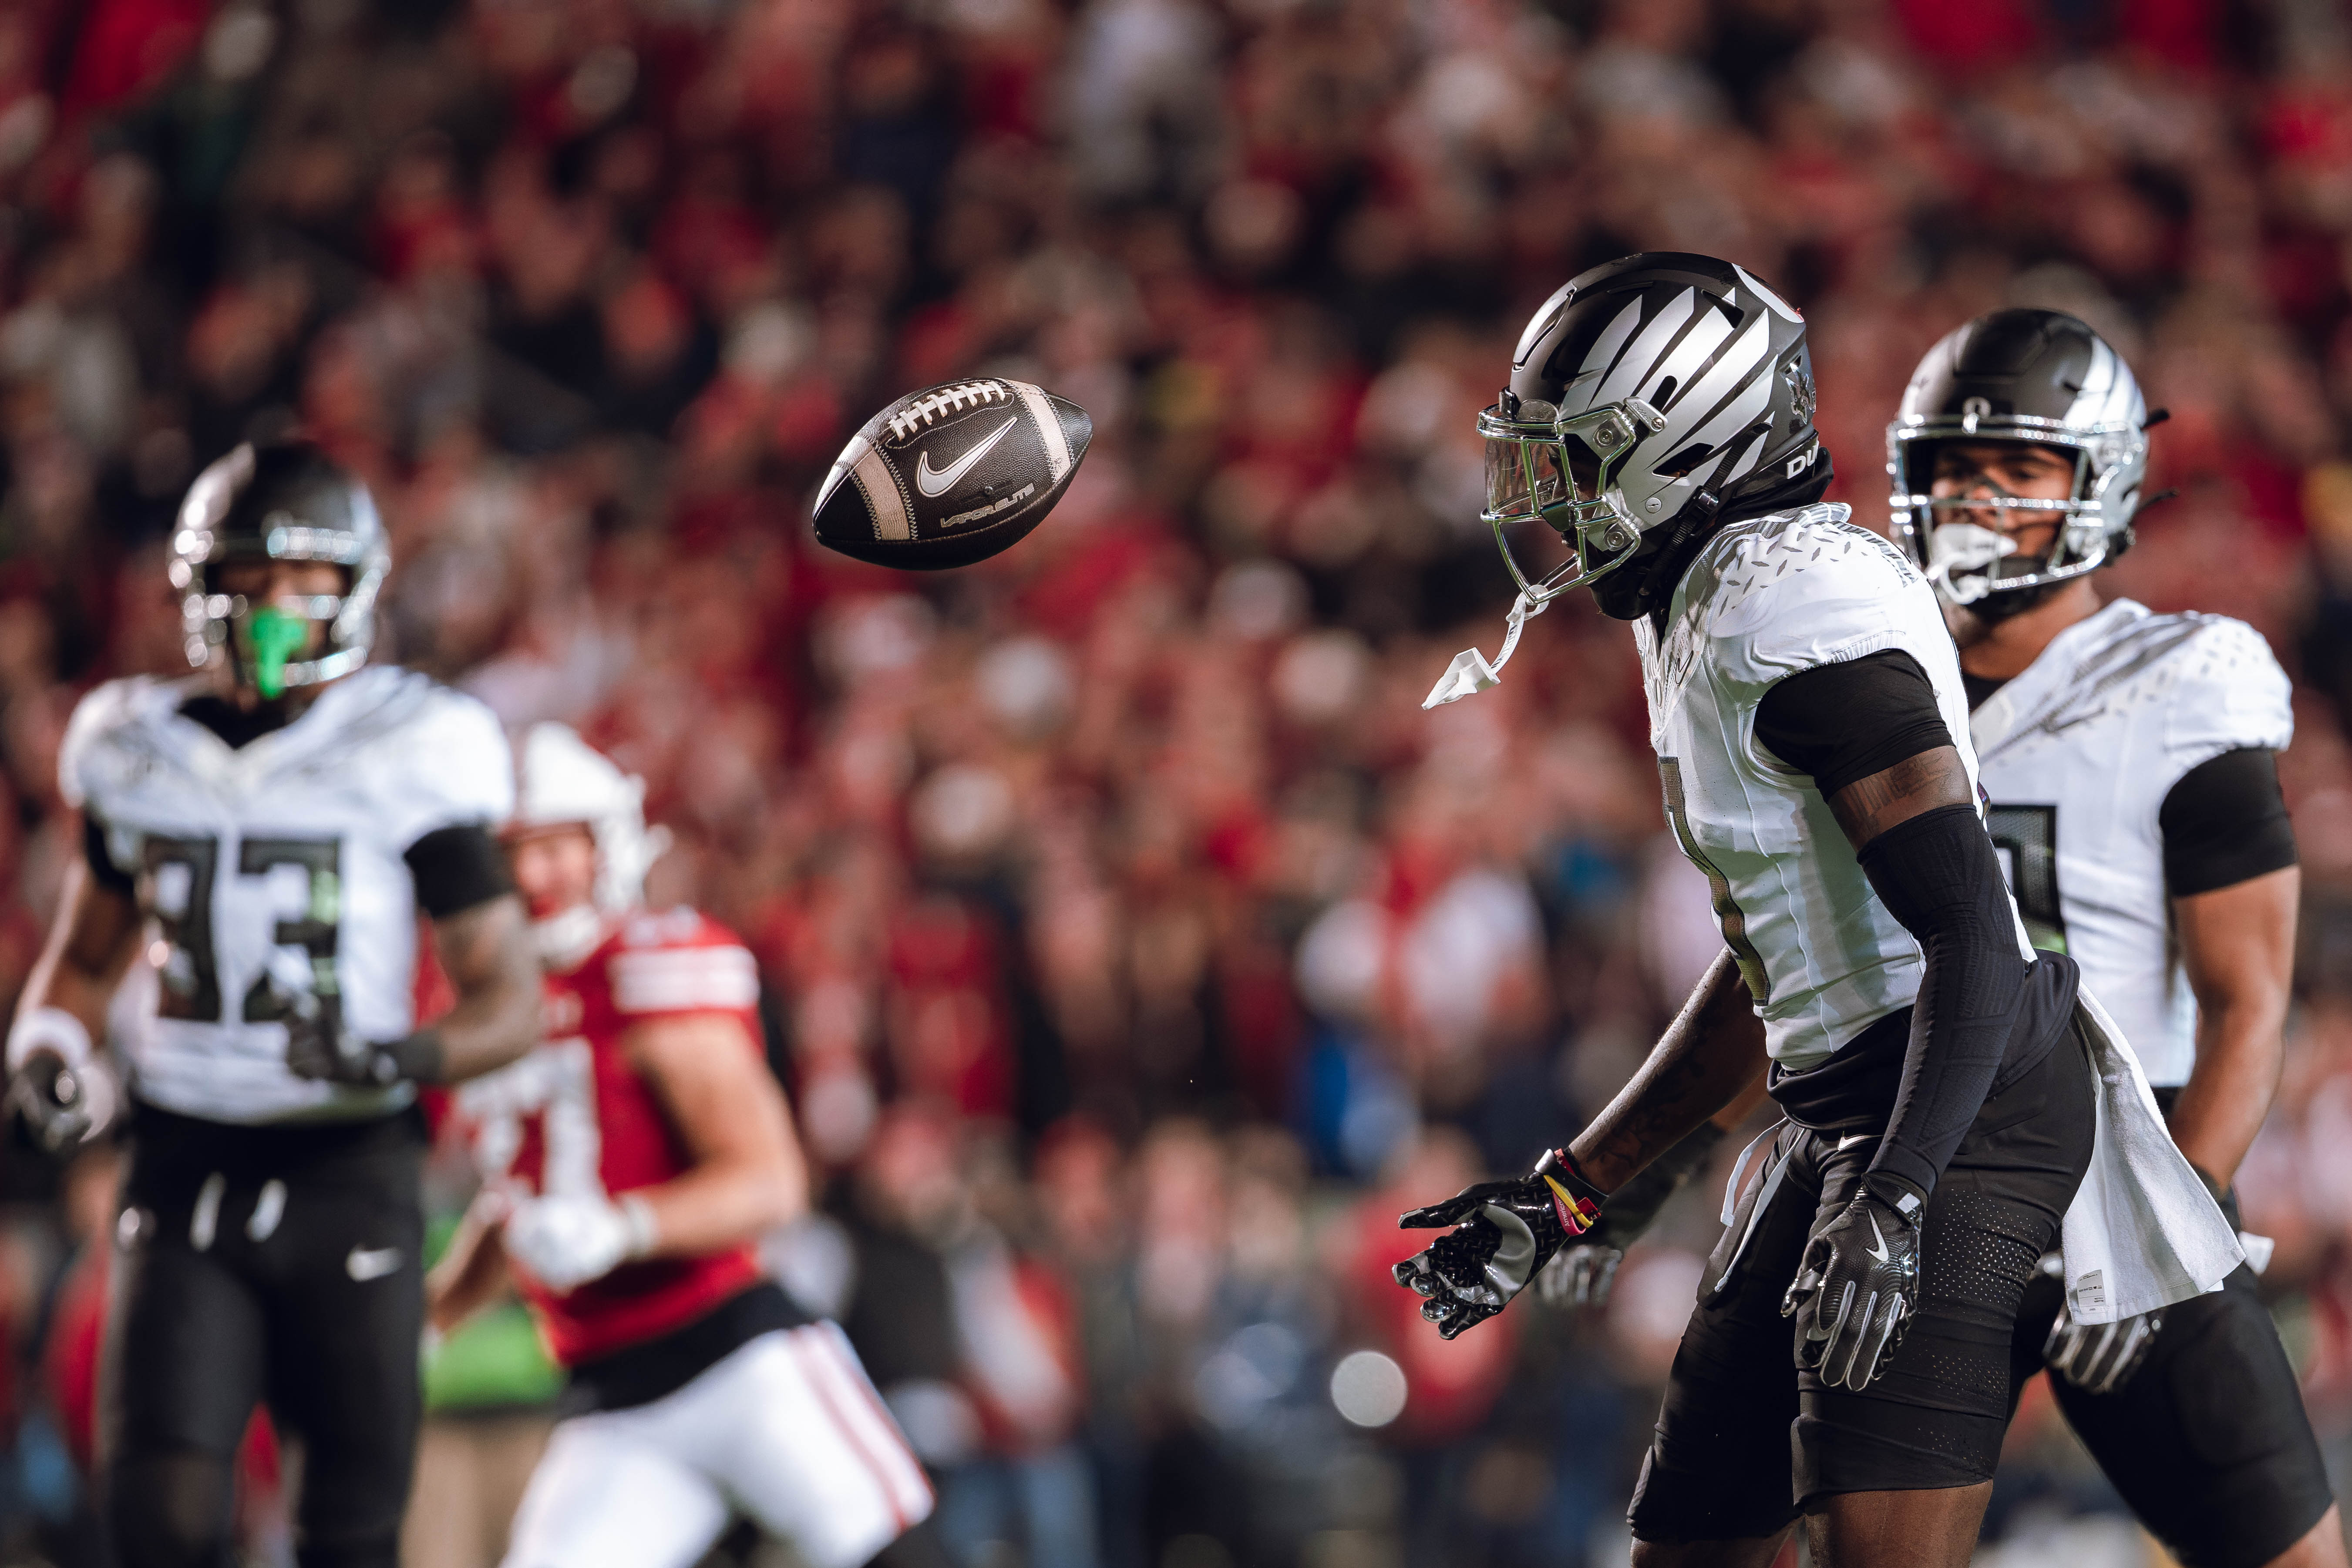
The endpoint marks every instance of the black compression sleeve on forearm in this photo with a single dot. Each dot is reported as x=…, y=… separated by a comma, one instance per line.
x=2225, y=822
x=1937, y=873
x=1632, y=1206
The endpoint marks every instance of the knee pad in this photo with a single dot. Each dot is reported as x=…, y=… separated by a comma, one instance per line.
x=170, y=1510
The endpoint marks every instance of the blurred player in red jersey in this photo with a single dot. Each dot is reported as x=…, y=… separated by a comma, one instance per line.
x=630, y=1163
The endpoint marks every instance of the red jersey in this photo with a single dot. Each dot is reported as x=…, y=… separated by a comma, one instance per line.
x=574, y=1118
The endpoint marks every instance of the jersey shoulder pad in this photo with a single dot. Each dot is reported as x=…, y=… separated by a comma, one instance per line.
x=113, y=729
x=680, y=960
x=455, y=765
x=1798, y=589
x=2226, y=693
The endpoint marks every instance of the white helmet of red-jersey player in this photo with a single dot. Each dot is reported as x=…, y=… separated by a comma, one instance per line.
x=560, y=780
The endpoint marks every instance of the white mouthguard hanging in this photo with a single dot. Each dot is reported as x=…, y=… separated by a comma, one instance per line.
x=1955, y=548
x=1470, y=672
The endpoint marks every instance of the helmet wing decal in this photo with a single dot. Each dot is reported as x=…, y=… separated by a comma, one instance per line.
x=1736, y=371
x=1632, y=366
x=1706, y=336
x=1748, y=405
x=1780, y=306
x=1607, y=346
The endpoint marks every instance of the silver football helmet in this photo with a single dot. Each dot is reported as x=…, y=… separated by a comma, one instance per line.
x=281, y=501
x=2030, y=375
x=1646, y=396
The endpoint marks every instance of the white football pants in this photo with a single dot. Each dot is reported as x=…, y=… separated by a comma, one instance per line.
x=786, y=1431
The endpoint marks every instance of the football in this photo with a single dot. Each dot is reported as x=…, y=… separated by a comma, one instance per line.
x=952, y=475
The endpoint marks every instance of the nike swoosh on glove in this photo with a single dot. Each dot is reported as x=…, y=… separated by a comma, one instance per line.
x=565, y=1242
x=1857, y=1287
x=2099, y=1358
x=1504, y=1232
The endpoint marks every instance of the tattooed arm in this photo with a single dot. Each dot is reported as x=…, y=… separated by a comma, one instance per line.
x=1713, y=1054
x=1708, y=1057
x=1869, y=806
x=486, y=950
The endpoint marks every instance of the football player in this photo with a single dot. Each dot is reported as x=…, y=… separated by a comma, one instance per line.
x=630, y=1163
x=1848, y=1359
x=2130, y=759
x=264, y=836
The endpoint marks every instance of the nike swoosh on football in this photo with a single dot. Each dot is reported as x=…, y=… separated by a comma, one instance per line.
x=367, y=1262
x=937, y=481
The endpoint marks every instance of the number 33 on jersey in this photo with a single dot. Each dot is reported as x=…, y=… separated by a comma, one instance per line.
x=275, y=868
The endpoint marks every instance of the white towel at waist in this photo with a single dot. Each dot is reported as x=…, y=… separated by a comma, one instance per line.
x=2142, y=1232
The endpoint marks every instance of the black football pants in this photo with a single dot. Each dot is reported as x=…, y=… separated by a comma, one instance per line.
x=264, y=1264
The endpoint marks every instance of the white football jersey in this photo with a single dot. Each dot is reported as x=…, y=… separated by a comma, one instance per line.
x=2078, y=753
x=275, y=868
x=1767, y=598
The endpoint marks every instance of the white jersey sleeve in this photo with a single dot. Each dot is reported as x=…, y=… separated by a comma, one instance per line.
x=458, y=768
x=1807, y=598
x=2228, y=695
x=1767, y=598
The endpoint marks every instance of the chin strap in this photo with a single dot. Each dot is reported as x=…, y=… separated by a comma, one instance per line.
x=1470, y=673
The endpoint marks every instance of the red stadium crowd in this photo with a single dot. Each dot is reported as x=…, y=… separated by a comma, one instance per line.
x=1131, y=938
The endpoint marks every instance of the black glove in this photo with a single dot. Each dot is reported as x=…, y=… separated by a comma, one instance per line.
x=2099, y=1358
x=1858, y=1286
x=317, y=1046
x=55, y=1102
x=1504, y=1232
x=1580, y=1274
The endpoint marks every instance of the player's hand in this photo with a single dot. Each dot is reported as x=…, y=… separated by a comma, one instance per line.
x=2099, y=1358
x=63, y=1106
x=1504, y=1232
x=1579, y=1276
x=565, y=1242
x=1857, y=1286
x=319, y=1046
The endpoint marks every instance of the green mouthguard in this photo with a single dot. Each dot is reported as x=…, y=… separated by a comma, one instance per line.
x=273, y=636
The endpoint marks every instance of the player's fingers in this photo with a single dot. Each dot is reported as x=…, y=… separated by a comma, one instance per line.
x=1604, y=1279
x=1884, y=1329
x=1850, y=1337
x=1436, y=1216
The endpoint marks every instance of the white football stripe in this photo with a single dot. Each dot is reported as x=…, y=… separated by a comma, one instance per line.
x=883, y=497
x=1049, y=427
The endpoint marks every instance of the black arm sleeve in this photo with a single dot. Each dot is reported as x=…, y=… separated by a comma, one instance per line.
x=102, y=869
x=455, y=868
x=1937, y=873
x=2225, y=823
x=1845, y=721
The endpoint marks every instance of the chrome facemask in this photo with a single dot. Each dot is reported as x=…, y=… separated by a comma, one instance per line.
x=1561, y=472
x=1968, y=561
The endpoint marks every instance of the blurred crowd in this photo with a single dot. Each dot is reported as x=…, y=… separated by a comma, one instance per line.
x=1136, y=947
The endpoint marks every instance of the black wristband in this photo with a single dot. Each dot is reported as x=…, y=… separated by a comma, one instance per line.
x=418, y=1058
